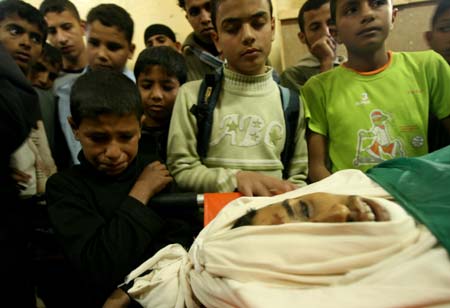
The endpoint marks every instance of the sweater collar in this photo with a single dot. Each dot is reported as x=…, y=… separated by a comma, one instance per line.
x=239, y=82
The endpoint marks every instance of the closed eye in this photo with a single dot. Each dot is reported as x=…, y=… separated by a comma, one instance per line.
x=305, y=209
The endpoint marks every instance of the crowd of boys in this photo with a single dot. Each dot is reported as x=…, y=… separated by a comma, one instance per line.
x=111, y=132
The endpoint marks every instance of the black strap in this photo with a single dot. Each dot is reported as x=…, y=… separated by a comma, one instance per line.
x=208, y=96
x=291, y=110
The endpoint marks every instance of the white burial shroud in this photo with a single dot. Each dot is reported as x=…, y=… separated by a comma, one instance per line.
x=360, y=264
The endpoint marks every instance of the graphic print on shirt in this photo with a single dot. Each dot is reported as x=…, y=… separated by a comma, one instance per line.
x=248, y=130
x=364, y=99
x=376, y=145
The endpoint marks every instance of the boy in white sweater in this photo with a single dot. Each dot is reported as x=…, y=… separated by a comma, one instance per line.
x=248, y=129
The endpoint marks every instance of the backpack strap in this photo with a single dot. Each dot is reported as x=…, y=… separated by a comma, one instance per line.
x=208, y=95
x=291, y=109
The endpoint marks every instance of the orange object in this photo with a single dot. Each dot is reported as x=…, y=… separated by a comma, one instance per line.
x=214, y=202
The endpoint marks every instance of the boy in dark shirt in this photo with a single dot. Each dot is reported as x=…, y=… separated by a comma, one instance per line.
x=99, y=208
x=438, y=38
x=159, y=72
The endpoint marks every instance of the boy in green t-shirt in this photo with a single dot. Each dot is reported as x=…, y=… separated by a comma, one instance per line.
x=375, y=106
x=247, y=135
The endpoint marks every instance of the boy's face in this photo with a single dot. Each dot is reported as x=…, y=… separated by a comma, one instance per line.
x=107, y=47
x=110, y=142
x=43, y=74
x=22, y=40
x=317, y=24
x=66, y=32
x=245, y=31
x=198, y=13
x=162, y=40
x=439, y=38
x=158, y=92
x=321, y=207
x=363, y=25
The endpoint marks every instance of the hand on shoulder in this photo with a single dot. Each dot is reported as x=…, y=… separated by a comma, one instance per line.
x=152, y=180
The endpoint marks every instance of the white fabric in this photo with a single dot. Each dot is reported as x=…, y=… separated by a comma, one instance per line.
x=382, y=264
x=35, y=159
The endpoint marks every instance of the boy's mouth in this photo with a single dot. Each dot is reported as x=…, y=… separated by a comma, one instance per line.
x=67, y=49
x=250, y=52
x=114, y=168
x=22, y=56
x=102, y=66
x=208, y=30
x=378, y=211
x=369, y=31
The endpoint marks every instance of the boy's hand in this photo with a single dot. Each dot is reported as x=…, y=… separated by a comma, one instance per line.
x=152, y=180
x=324, y=49
x=21, y=178
x=118, y=299
x=257, y=184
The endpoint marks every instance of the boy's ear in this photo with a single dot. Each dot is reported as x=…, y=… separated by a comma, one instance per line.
x=272, y=26
x=83, y=26
x=215, y=38
x=428, y=36
x=394, y=16
x=74, y=127
x=131, y=51
x=337, y=38
x=178, y=46
x=301, y=36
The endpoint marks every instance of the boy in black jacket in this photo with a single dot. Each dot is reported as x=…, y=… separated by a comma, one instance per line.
x=159, y=72
x=99, y=208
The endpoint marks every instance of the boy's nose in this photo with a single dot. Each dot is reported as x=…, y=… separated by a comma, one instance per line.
x=61, y=37
x=112, y=151
x=248, y=36
x=367, y=12
x=25, y=42
x=326, y=30
x=156, y=93
x=102, y=54
x=205, y=16
x=43, y=80
x=337, y=213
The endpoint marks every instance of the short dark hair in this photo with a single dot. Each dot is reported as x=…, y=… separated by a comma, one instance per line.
x=182, y=4
x=333, y=4
x=25, y=11
x=51, y=54
x=245, y=220
x=441, y=7
x=104, y=92
x=309, y=5
x=113, y=15
x=215, y=6
x=168, y=58
x=58, y=6
x=159, y=29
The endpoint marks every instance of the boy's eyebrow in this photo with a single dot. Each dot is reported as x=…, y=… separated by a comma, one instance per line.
x=348, y=2
x=168, y=80
x=22, y=29
x=288, y=208
x=239, y=19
